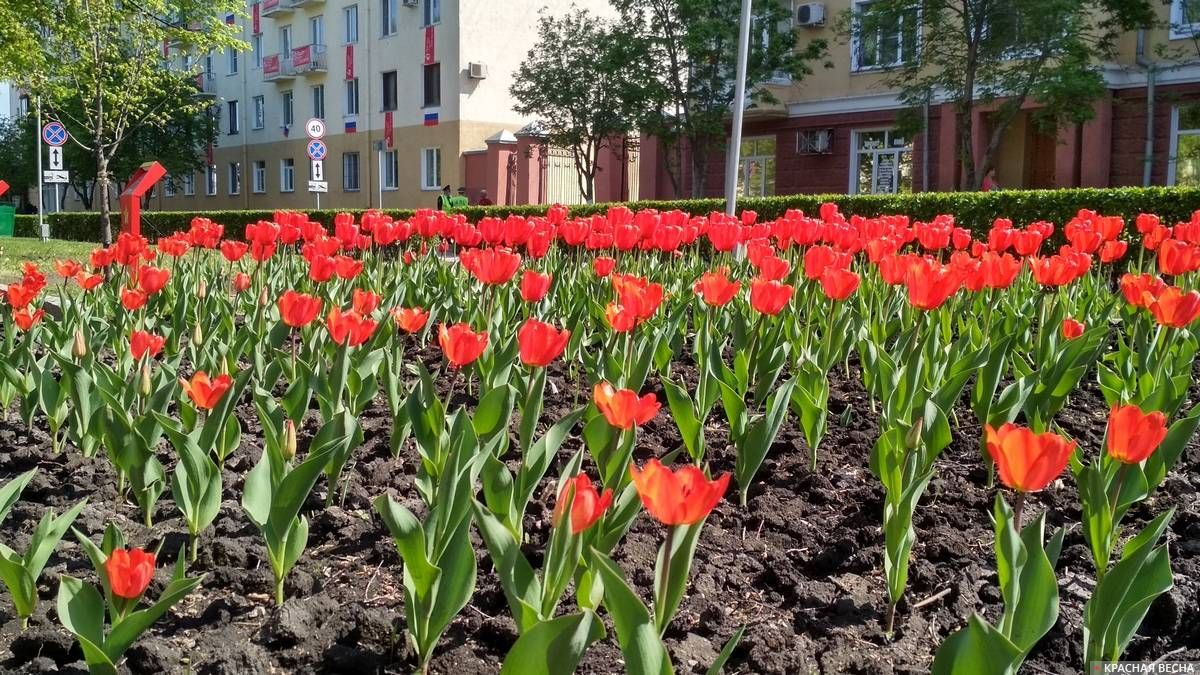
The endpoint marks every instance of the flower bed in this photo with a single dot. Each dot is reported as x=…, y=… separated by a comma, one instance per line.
x=306, y=428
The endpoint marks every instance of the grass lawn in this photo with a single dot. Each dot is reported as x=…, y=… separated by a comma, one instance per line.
x=15, y=251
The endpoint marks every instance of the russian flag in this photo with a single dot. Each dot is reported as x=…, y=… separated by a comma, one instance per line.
x=431, y=119
x=351, y=126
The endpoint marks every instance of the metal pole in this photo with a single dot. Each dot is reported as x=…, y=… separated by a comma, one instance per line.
x=379, y=154
x=733, y=156
x=43, y=231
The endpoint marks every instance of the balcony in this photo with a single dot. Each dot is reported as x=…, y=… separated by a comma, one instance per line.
x=206, y=85
x=304, y=3
x=277, y=68
x=274, y=7
x=309, y=59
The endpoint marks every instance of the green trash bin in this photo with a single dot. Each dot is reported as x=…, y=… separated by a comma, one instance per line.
x=8, y=219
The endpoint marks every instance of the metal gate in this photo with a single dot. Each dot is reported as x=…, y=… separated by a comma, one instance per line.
x=562, y=181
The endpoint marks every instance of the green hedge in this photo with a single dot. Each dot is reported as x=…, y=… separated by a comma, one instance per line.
x=26, y=226
x=975, y=210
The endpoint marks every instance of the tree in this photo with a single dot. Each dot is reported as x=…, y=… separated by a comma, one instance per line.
x=692, y=47
x=1000, y=54
x=581, y=81
x=18, y=146
x=99, y=66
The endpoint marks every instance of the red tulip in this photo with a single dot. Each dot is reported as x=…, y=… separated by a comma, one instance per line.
x=637, y=295
x=233, y=250
x=623, y=408
x=20, y=295
x=347, y=267
x=1140, y=290
x=1175, y=308
x=620, y=318
x=132, y=299
x=87, y=281
x=349, y=328
x=1027, y=461
x=603, y=266
x=773, y=268
x=460, y=344
x=534, y=285
x=365, y=302
x=410, y=319
x=67, y=268
x=153, y=279
x=129, y=572
x=26, y=319
x=930, y=284
x=142, y=343
x=715, y=288
x=838, y=284
x=1176, y=257
x=1134, y=435
x=1071, y=328
x=321, y=268
x=682, y=497
x=540, y=343
x=1113, y=250
x=491, y=266
x=205, y=392
x=298, y=309
x=587, y=506
x=241, y=281
x=769, y=297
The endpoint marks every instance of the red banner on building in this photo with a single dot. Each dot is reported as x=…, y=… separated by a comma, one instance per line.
x=256, y=22
x=271, y=64
x=269, y=5
x=388, y=138
x=429, y=45
x=349, y=62
x=302, y=56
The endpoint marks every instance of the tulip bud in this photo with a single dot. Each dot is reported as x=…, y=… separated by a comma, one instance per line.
x=289, y=440
x=913, y=438
x=197, y=336
x=262, y=298
x=202, y=289
x=144, y=385
x=79, y=348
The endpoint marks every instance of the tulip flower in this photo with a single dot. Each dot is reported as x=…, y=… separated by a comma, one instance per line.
x=683, y=497
x=773, y=268
x=637, y=295
x=410, y=319
x=769, y=297
x=129, y=572
x=838, y=284
x=1027, y=461
x=321, y=268
x=1177, y=257
x=365, y=302
x=87, y=281
x=623, y=408
x=540, y=343
x=233, y=250
x=153, y=279
x=1071, y=328
x=1140, y=290
x=930, y=284
x=132, y=299
x=534, y=285
x=620, y=318
x=347, y=267
x=715, y=288
x=1134, y=435
x=587, y=505
x=349, y=328
x=491, y=266
x=603, y=266
x=1175, y=308
x=142, y=343
x=26, y=319
x=67, y=268
x=20, y=295
x=205, y=392
x=460, y=344
x=298, y=309
x=1112, y=251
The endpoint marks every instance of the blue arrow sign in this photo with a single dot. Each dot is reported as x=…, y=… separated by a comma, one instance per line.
x=54, y=133
x=317, y=150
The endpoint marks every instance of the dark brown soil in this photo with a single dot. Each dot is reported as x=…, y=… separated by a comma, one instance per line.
x=801, y=567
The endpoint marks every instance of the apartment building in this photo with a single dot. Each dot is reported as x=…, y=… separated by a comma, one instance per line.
x=405, y=87
x=836, y=130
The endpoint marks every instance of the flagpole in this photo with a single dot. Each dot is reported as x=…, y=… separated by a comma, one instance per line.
x=733, y=158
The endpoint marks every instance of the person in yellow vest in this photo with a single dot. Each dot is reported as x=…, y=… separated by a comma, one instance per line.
x=460, y=200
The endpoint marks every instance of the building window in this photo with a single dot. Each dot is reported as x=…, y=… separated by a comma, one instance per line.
x=235, y=124
x=352, y=96
x=259, y=179
x=388, y=17
x=208, y=65
x=318, y=94
x=881, y=163
x=232, y=55
x=289, y=116
x=287, y=175
x=235, y=178
x=316, y=26
x=350, y=172
x=256, y=49
x=350, y=15
x=1183, y=164
x=210, y=180
x=431, y=168
x=756, y=168
x=433, y=85
x=169, y=186
x=285, y=42
x=389, y=90
x=260, y=112
x=883, y=39
x=391, y=170
x=1185, y=19
x=433, y=12
x=189, y=184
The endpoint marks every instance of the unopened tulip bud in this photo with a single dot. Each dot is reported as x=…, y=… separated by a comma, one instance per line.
x=262, y=298
x=144, y=385
x=197, y=336
x=913, y=438
x=79, y=348
x=202, y=289
x=289, y=440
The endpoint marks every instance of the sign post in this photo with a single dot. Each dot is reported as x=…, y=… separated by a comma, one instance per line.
x=316, y=151
x=54, y=135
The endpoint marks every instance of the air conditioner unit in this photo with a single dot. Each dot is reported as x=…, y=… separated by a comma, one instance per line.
x=478, y=70
x=814, y=142
x=410, y=3
x=811, y=14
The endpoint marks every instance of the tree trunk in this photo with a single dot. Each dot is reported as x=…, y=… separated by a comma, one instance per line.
x=102, y=187
x=699, y=166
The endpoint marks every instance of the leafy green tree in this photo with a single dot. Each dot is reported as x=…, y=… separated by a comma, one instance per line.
x=997, y=54
x=18, y=146
x=583, y=80
x=98, y=65
x=692, y=47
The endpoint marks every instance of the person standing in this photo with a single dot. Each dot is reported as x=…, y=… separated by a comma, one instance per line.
x=460, y=200
x=444, y=199
x=483, y=198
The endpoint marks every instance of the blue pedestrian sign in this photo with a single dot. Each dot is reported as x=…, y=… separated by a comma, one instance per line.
x=55, y=134
x=317, y=150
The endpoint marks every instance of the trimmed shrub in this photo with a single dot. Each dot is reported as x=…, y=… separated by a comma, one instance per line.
x=974, y=210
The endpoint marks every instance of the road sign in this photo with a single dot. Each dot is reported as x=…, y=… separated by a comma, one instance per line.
x=55, y=177
x=316, y=149
x=318, y=170
x=55, y=134
x=56, y=158
x=318, y=186
x=315, y=128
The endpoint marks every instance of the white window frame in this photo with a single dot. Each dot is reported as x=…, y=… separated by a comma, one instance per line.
x=1179, y=30
x=256, y=48
x=744, y=162
x=210, y=180
x=855, y=157
x=260, y=112
x=395, y=90
x=231, y=53
x=431, y=183
x=169, y=186
x=235, y=178
x=391, y=164
x=856, y=42
x=779, y=77
x=316, y=29
x=258, y=178
x=285, y=42
x=431, y=12
x=287, y=175
x=234, y=111
x=189, y=184
x=352, y=100
x=288, y=112
x=350, y=19
x=318, y=99
x=1176, y=133
x=389, y=20
x=357, y=172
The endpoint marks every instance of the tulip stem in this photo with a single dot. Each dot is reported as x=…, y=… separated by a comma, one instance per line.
x=664, y=579
x=1018, y=507
x=891, y=619
x=279, y=592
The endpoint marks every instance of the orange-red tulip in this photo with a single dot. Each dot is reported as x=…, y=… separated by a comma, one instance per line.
x=233, y=250
x=20, y=295
x=153, y=279
x=1175, y=308
x=603, y=266
x=715, y=288
x=1072, y=328
x=490, y=266
x=540, y=343
x=298, y=309
x=769, y=297
x=587, y=506
x=142, y=343
x=930, y=284
x=129, y=572
x=365, y=302
x=349, y=328
x=534, y=285
x=1134, y=435
x=1027, y=461
x=67, y=268
x=682, y=497
x=410, y=319
x=1141, y=289
x=205, y=392
x=623, y=408
x=838, y=284
x=87, y=281
x=26, y=319
x=132, y=299
x=460, y=344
